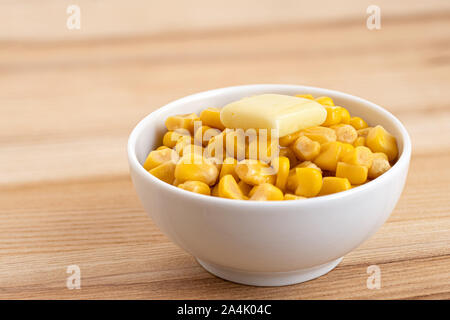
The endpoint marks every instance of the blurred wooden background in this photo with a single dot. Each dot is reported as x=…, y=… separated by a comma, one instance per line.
x=69, y=99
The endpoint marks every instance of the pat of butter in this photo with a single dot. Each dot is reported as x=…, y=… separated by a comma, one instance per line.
x=286, y=114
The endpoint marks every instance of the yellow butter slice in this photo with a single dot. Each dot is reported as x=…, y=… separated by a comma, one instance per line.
x=286, y=114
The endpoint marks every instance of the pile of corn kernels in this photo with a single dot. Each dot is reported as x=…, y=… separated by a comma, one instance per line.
x=342, y=153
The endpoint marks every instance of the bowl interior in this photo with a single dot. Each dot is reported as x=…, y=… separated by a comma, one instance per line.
x=149, y=132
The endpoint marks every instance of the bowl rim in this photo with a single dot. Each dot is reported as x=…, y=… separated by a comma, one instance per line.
x=402, y=161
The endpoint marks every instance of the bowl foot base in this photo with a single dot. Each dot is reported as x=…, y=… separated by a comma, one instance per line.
x=269, y=278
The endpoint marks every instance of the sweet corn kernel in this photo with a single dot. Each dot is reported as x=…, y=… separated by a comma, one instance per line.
x=157, y=157
x=217, y=163
x=319, y=134
x=254, y=172
x=308, y=164
x=182, y=121
x=211, y=117
x=228, y=166
x=171, y=137
x=329, y=156
x=204, y=134
x=345, y=116
x=228, y=188
x=288, y=153
x=215, y=190
x=333, y=185
x=292, y=180
x=282, y=169
x=196, y=186
x=182, y=143
x=379, y=166
x=235, y=146
x=380, y=155
x=261, y=148
x=305, y=148
x=164, y=172
x=245, y=188
x=356, y=174
x=306, y=96
x=359, y=142
x=361, y=156
x=363, y=132
x=379, y=140
x=215, y=147
x=334, y=116
x=290, y=196
x=346, y=150
x=289, y=139
x=192, y=148
x=192, y=167
x=266, y=192
x=358, y=123
x=309, y=182
x=345, y=133
x=162, y=147
x=325, y=101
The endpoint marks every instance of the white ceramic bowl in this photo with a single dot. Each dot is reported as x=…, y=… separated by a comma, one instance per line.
x=267, y=243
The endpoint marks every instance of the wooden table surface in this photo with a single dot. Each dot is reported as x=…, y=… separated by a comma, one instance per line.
x=68, y=104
